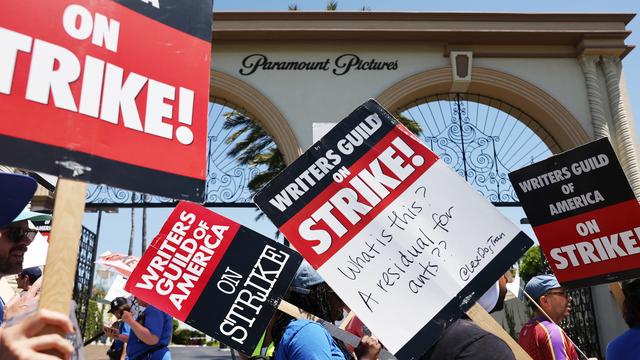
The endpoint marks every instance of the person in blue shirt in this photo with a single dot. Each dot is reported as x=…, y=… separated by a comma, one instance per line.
x=119, y=331
x=627, y=345
x=301, y=339
x=150, y=334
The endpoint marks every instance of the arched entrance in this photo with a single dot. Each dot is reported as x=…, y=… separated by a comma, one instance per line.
x=560, y=124
x=483, y=139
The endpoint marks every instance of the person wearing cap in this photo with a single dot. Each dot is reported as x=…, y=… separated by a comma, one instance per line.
x=541, y=337
x=15, y=237
x=301, y=339
x=627, y=345
x=21, y=340
x=465, y=340
x=118, y=331
x=27, y=277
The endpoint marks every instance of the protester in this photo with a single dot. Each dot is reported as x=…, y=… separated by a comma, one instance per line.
x=118, y=331
x=627, y=345
x=300, y=339
x=14, y=239
x=21, y=340
x=465, y=340
x=150, y=334
x=541, y=338
x=28, y=277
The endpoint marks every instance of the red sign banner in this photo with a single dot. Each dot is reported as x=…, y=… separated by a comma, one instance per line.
x=584, y=214
x=214, y=274
x=111, y=92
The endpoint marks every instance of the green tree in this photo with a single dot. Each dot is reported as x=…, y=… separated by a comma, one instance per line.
x=332, y=5
x=533, y=263
x=293, y=7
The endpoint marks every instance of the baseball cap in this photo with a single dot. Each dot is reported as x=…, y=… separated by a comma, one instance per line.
x=117, y=303
x=27, y=214
x=306, y=277
x=540, y=285
x=15, y=193
x=34, y=273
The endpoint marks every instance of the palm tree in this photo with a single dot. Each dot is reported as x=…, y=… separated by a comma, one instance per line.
x=332, y=5
x=293, y=7
x=257, y=149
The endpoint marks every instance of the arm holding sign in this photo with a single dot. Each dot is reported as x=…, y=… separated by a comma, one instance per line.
x=145, y=335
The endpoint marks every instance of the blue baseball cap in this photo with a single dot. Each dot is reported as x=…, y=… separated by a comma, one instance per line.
x=540, y=285
x=306, y=277
x=34, y=273
x=15, y=193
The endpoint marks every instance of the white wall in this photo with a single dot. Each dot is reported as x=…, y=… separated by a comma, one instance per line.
x=305, y=97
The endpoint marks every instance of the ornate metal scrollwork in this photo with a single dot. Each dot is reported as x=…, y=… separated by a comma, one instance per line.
x=84, y=275
x=481, y=138
x=226, y=182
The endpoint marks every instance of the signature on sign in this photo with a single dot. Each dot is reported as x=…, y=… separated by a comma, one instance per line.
x=481, y=254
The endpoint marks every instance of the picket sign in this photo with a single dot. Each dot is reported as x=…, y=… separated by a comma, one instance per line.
x=482, y=318
x=584, y=213
x=64, y=243
x=76, y=71
x=404, y=241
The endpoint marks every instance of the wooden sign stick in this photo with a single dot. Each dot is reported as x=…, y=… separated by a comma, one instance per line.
x=64, y=242
x=618, y=295
x=482, y=318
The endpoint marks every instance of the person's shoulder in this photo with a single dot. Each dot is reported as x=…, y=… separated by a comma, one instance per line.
x=152, y=310
x=465, y=340
x=620, y=344
x=299, y=325
x=464, y=329
x=539, y=328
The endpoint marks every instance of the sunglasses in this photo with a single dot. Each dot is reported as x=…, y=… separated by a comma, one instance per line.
x=562, y=293
x=16, y=234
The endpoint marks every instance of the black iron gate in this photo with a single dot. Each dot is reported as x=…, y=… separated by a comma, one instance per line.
x=581, y=325
x=484, y=139
x=84, y=275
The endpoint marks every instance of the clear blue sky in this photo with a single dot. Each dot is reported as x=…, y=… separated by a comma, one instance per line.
x=116, y=227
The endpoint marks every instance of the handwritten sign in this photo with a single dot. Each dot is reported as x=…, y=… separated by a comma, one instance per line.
x=215, y=275
x=403, y=239
x=584, y=213
x=85, y=91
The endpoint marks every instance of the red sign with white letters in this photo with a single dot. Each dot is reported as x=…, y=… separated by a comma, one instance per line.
x=584, y=214
x=110, y=92
x=215, y=275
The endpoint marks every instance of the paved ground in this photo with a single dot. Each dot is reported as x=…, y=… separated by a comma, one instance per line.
x=98, y=352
